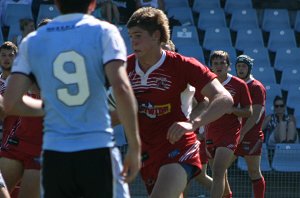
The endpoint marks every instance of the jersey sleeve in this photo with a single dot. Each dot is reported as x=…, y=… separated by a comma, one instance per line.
x=245, y=95
x=113, y=45
x=21, y=63
x=258, y=95
x=198, y=76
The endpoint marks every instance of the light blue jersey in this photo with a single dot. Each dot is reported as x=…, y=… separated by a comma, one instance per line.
x=67, y=58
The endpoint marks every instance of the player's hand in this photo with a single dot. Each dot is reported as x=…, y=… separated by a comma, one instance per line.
x=177, y=130
x=131, y=164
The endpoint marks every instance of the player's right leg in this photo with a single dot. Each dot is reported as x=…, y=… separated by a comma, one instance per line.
x=12, y=171
x=30, y=185
x=222, y=160
x=3, y=188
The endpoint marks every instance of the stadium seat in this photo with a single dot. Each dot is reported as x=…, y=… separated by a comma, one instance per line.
x=297, y=117
x=286, y=158
x=275, y=19
x=14, y=30
x=232, y=5
x=124, y=33
x=284, y=38
x=272, y=90
x=297, y=22
x=264, y=74
x=285, y=58
x=191, y=51
x=244, y=19
x=293, y=96
x=183, y=14
x=264, y=164
x=249, y=38
x=260, y=55
x=176, y=4
x=15, y=12
x=1, y=36
x=211, y=18
x=215, y=38
x=198, y=5
x=185, y=34
x=47, y=11
x=290, y=76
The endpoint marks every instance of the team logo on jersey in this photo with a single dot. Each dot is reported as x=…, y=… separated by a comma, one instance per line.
x=162, y=83
x=153, y=111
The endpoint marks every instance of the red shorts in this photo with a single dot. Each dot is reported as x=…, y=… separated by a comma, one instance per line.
x=187, y=155
x=249, y=148
x=28, y=161
x=203, y=154
x=230, y=143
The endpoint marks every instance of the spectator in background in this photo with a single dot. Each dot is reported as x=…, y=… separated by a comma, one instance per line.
x=26, y=26
x=109, y=11
x=280, y=127
x=251, y=135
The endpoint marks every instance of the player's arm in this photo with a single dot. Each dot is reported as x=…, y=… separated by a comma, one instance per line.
x=220, y=102
x=252, y=120
x=243, y=112
x=14, y=101
x=198, y=108
x=127, y=111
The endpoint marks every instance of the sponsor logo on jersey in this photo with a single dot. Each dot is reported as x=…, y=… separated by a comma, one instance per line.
x=153, y=111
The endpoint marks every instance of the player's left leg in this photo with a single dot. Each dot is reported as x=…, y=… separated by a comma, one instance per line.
x=171, y=182
x=258, y=181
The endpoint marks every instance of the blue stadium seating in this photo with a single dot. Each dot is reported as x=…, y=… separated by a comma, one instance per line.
x=297, y=117
x=185, y=34
x=290, y=76
x=264, y=74
x=277, y=19
x=249, y=38
x=189, y=50
x=297, y=22
x=215, y=38
x=284, y=38
x=14, y=30
x=124, y=33
x=232, y=5
x=286, y=158
x=211, y=18
x=176, y=4
x=293, y=96
x=285, y=58
x=15, y=12
x=1, y=37
x=47, y=11
x=198, y=5
x=260, y=55
x=264, y=164
x=272, y=90
x=183, y=14
x=244, y=19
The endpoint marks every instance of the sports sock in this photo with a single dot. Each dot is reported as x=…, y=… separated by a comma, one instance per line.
x=259, y=187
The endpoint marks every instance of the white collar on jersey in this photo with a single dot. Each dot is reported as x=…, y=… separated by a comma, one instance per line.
x=250, y=79
x=152, y=68
x=229, y=76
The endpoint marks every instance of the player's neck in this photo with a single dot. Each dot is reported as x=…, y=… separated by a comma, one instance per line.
x=147, y=61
